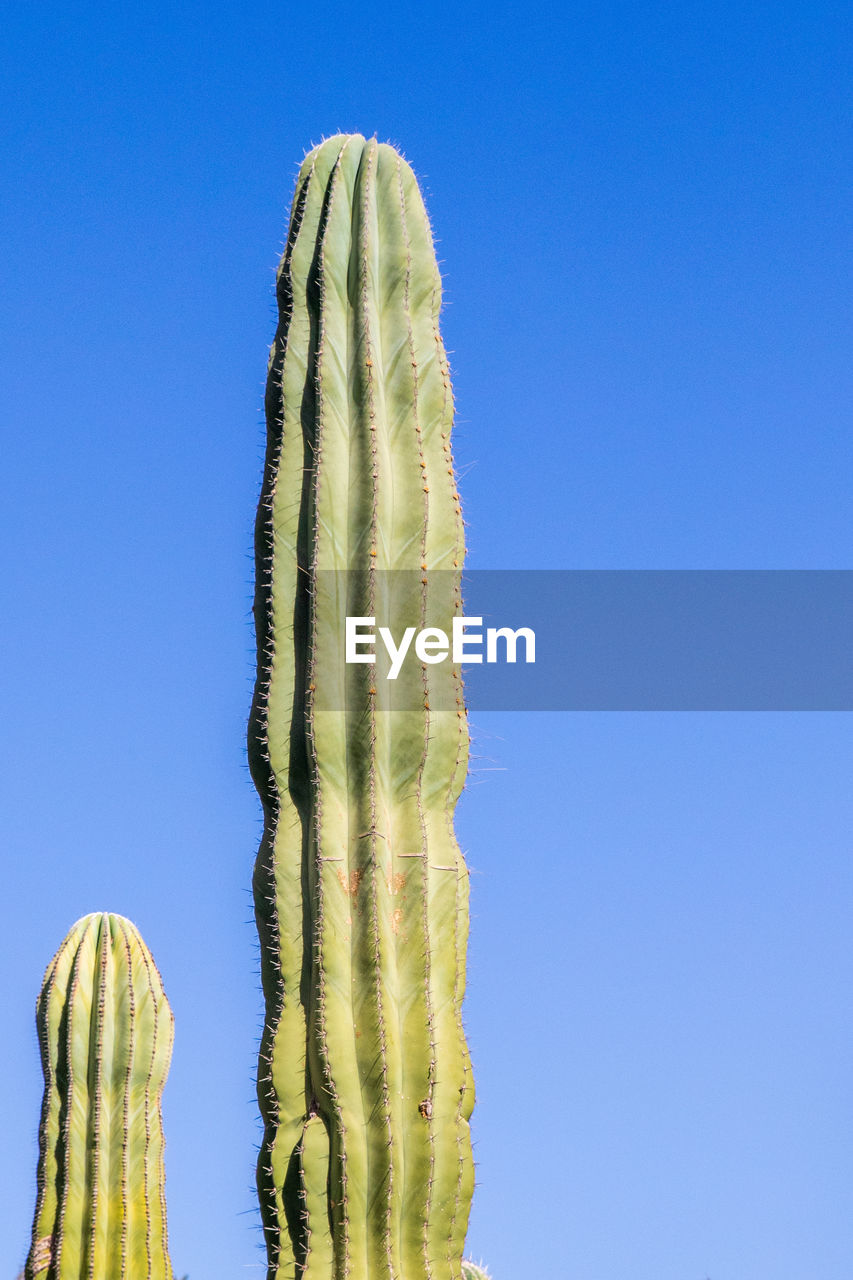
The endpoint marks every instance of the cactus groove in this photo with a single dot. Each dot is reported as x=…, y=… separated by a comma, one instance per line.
x=361, y=892
x=105, y=1033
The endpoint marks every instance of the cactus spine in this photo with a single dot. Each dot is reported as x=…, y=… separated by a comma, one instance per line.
x=361, y=891
x=105, y=1033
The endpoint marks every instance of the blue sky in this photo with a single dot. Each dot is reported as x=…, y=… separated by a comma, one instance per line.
x=643, y=218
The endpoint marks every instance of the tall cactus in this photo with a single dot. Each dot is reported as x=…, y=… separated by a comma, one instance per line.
x=361, y=892
x=105, y=1032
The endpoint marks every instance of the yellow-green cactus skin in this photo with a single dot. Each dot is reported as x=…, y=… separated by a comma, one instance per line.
x=361, y=892
x=105, y=1033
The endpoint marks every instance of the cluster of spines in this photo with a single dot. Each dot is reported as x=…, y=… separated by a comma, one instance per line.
x=105, y=1033
x=364, y=1078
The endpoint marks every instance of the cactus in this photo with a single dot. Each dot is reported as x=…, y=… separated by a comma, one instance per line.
x=474, y=1271
x=361, y=892
x=105, y=1033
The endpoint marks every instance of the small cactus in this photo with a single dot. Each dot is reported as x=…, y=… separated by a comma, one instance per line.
x=105, y=1033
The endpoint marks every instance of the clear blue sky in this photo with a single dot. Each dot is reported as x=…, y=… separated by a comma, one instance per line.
x=644, y=220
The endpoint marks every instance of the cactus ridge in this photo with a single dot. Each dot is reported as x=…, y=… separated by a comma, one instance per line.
x=361, y=892
x=105, y=1034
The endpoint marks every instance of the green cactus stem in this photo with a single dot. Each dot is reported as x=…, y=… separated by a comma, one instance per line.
x=105, y=1032
x=474, y=1271
x=361, y=892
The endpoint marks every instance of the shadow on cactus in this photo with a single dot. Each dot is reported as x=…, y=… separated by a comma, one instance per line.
x=361, y=892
